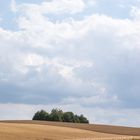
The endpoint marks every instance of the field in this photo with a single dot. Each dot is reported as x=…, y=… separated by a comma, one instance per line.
x=39, y=130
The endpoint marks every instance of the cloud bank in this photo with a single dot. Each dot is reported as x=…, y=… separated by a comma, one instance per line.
x=63, y=56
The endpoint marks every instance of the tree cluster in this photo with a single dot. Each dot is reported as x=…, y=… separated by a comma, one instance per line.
x=59, y=116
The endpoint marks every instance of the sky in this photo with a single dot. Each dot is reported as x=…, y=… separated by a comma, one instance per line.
x=76, y=55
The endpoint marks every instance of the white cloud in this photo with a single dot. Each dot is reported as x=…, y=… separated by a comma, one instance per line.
x=54, y=7
x=91, y=62
x=13, y=6
x=135, y=12
x=46, y=42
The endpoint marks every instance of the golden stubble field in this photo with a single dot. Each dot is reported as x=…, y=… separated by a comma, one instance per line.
x=43, y=131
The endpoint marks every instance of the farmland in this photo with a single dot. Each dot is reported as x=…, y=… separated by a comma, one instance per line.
x=39, y=130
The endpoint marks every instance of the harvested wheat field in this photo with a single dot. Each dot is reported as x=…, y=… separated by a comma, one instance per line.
x=36, y=130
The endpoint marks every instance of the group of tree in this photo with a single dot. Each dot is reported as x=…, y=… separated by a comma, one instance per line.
x=59, y=116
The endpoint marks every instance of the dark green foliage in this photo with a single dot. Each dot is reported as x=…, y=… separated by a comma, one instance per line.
x=83, y=119
x=56, y=115
x=59, y=116
x=76, y=119
x=68, y=117
x=41, y=115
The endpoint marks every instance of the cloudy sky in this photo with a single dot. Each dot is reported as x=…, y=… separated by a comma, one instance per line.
x=77, y=55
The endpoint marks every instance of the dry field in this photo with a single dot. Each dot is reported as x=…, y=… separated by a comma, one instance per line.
x=36, y=130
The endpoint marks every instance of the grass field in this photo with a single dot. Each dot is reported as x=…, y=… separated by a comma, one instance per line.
x=36, y=130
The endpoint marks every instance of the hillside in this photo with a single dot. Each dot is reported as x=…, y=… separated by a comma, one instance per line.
x=39, y=130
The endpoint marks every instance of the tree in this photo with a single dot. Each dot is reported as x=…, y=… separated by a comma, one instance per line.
x=41, y=115
x=56, y=115
x=76, y=119
x=68, y=117
x=59, y=116
x=83, y=119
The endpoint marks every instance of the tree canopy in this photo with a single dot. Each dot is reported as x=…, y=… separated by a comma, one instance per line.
x=59, y=116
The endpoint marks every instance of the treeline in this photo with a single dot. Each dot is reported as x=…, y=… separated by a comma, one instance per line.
x=59, y=116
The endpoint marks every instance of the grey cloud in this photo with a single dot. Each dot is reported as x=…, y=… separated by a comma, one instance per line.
x=91, y=62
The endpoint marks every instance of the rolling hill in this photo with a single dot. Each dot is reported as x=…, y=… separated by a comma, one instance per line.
x=40, y=130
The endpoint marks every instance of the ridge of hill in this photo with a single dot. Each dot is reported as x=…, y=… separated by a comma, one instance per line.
x=119, y=130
